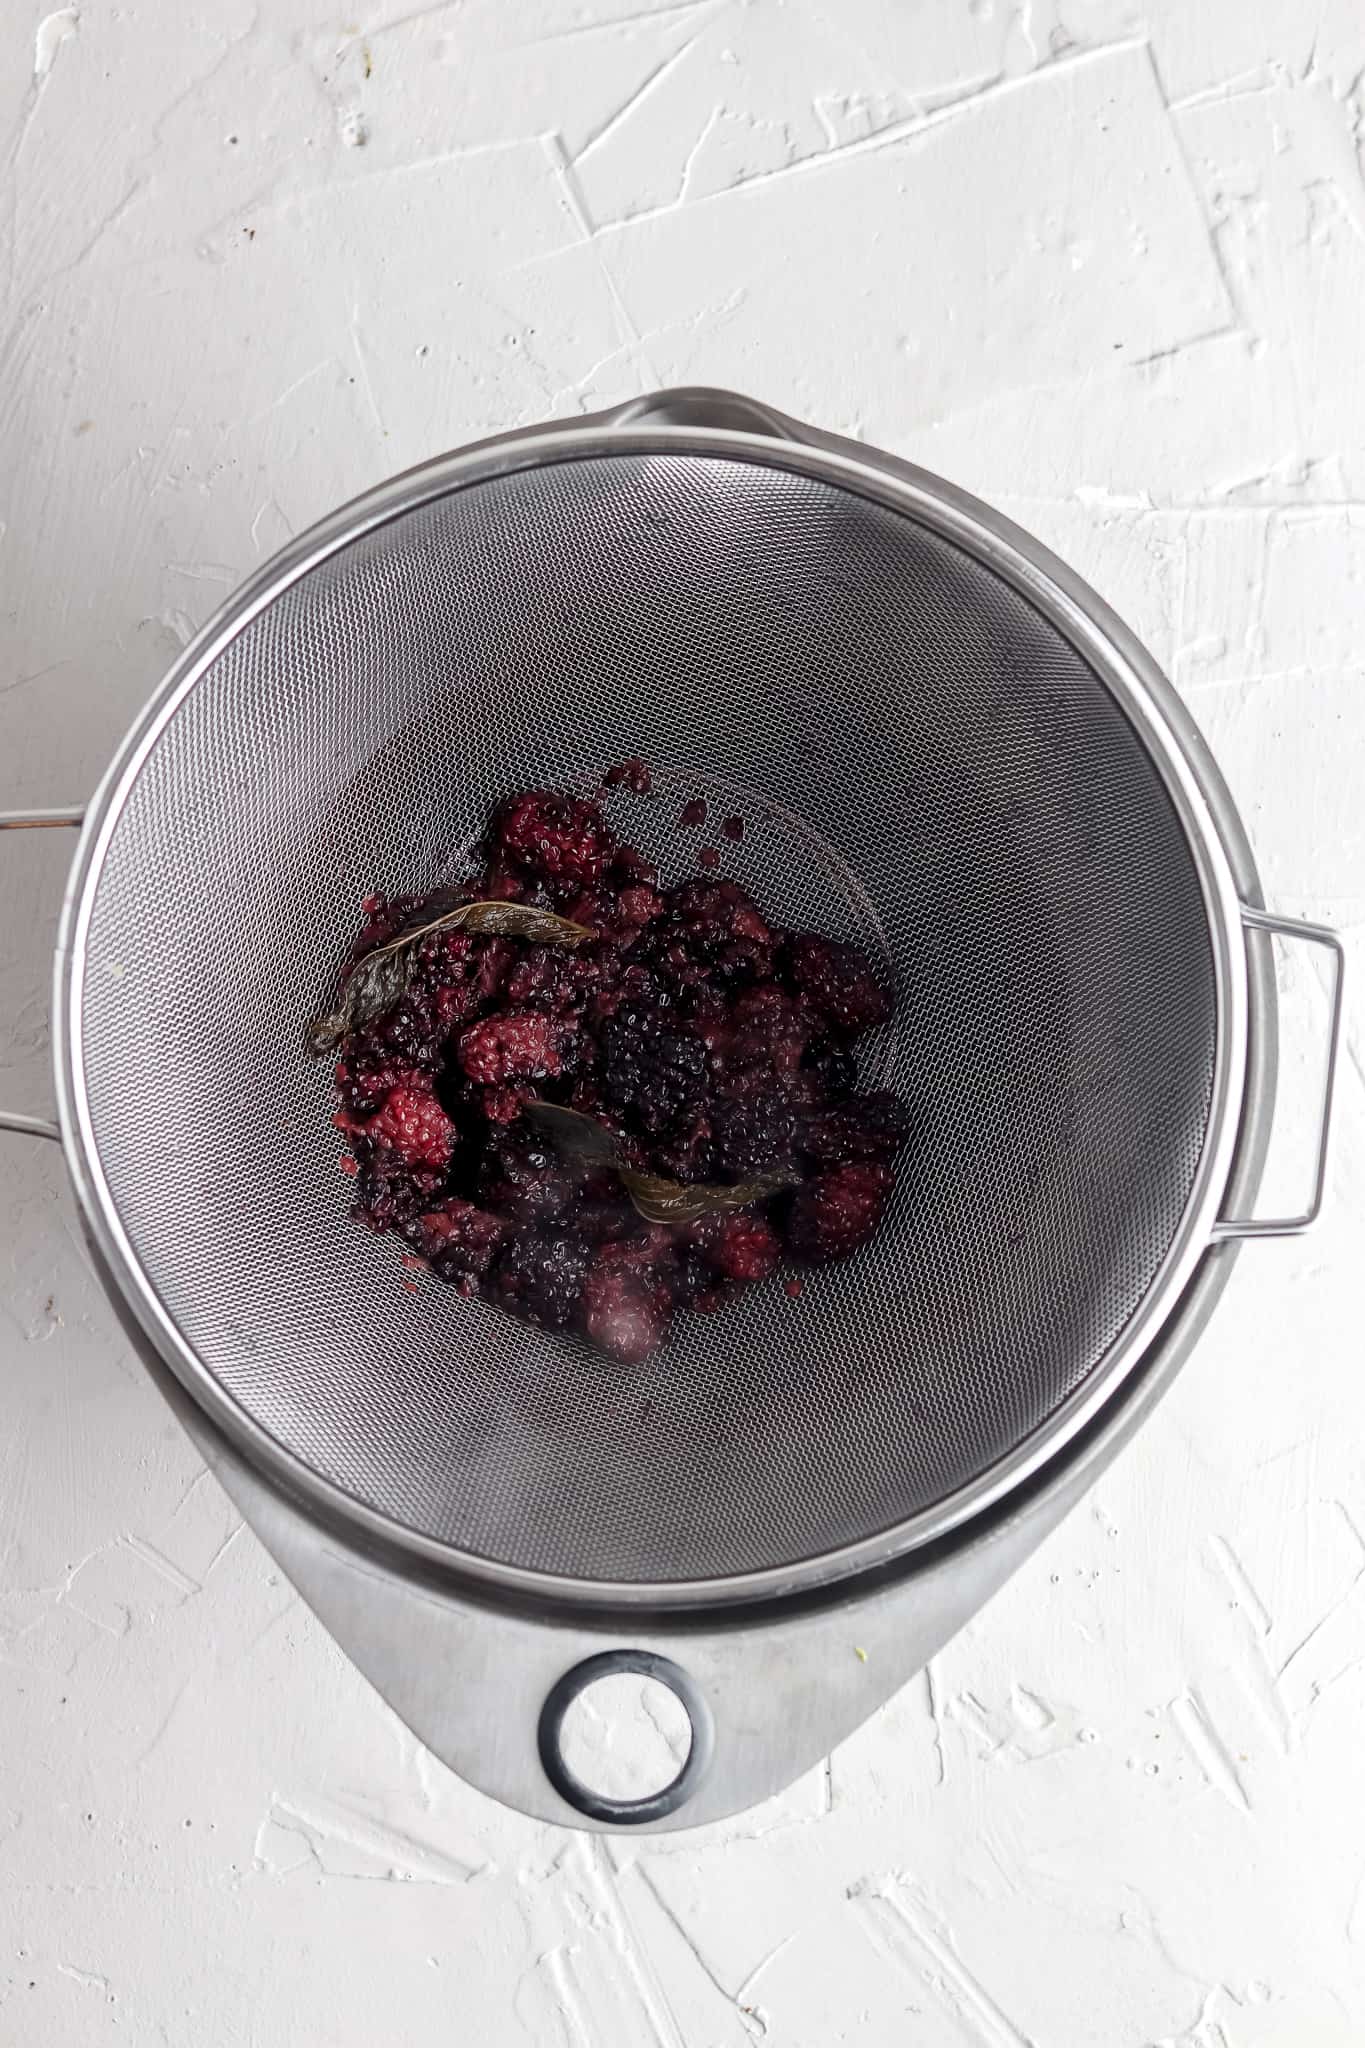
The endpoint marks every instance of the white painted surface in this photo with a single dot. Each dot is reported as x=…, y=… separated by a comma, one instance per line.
x=1100, y=260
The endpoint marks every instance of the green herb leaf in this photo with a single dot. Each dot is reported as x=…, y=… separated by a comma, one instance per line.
x=673, y=1201
x=580, y=1136
x=577, y=1135
x=382, y=978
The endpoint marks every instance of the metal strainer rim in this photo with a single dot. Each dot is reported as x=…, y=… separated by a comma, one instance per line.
x=1068, y=605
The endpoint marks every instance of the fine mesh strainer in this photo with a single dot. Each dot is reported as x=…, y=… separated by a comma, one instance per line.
x=945, y=748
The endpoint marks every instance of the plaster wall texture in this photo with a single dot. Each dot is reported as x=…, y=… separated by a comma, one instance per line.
x=1101, y=261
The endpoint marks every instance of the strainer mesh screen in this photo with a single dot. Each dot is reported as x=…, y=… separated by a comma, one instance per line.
x=923, y=765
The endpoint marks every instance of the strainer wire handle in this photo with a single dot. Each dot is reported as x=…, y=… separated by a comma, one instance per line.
x=1318, y=935
x=34, y=821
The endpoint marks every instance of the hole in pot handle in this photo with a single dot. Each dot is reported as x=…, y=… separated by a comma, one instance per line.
x=1293, y=1226
x=597, y=1805
x=34, y=821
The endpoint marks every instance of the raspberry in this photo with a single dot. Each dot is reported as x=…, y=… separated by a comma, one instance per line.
x=744, y=1248
x=860, y=1128
x=837, y=982
x=414, y=1125
x=557, y=836
x=540, y=1278
x=833, y=1217
x=519, y=1044
x=625, y=1313
x=456, y=1237
x=501, y=1105
x=619, y=915
x=364, y=1080
x=767, y=1030
x=636, y=995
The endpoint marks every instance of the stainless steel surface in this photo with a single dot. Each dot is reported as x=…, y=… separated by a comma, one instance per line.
x=1294, y=1226
x=392, y=671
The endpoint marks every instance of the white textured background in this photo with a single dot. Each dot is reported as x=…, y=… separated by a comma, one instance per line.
x=1100, y=261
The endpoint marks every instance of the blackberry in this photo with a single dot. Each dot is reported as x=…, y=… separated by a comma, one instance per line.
x=752, y=1136
x=836, y=982
x=456, y=1237
x=540, y=1277
x=832, y=1066
x=364, y=1078
x=523, y=1178
x=602, y=1209
x=413, y=1029
x=389, y=1193
x=742, y=963
x=855, y=1130
x=834, y=1216
x=544, y=978
x=688, y=1153
x=658, y=1074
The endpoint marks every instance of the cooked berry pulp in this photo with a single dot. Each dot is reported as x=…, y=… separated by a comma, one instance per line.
x=715, y=1047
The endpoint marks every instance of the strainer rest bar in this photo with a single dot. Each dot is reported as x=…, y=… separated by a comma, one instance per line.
x=1289, y=928
x=35, y=821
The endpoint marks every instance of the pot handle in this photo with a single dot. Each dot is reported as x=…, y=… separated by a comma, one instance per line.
x=34, y=821
x=1293, y=1226
x=702, y=405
